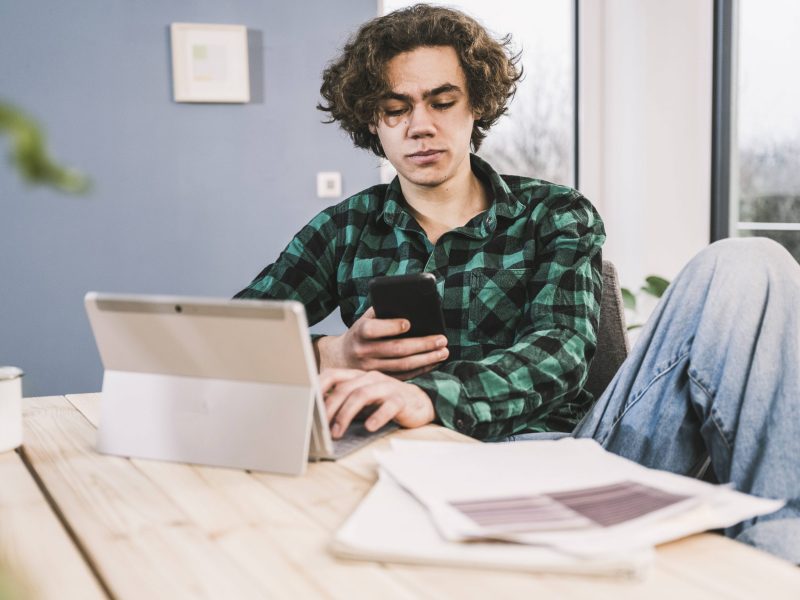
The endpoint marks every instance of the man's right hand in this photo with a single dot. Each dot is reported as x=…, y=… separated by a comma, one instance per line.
x=364, y=346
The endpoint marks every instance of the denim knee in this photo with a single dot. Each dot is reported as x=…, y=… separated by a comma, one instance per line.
x=743, y=257
x=744, y=252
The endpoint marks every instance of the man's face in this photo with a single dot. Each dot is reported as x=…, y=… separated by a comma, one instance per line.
x=425, y=122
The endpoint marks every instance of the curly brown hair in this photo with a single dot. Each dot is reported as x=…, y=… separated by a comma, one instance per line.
x=355, y=82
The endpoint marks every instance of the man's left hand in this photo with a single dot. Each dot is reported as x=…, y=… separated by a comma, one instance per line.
x=348, y=391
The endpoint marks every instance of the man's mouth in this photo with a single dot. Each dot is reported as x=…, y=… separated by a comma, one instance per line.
x=423, y=157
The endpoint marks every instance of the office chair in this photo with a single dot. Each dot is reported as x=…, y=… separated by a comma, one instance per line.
x=612, y=337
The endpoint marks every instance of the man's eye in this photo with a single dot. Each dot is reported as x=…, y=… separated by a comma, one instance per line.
x=394, y=112
x=443, y=105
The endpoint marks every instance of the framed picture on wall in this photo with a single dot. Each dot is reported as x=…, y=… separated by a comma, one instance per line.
x=209, y=63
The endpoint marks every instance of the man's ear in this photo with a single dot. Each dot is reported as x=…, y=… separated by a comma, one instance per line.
x=372, y=129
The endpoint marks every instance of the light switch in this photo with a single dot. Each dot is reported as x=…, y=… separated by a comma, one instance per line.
x=329, y=184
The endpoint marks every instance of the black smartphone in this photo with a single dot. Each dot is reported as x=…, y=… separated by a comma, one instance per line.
x=413, y=297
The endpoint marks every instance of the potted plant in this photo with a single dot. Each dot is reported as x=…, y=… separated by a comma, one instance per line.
x=639, y=304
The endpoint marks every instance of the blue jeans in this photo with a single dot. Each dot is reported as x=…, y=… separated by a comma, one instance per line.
x=716, y=373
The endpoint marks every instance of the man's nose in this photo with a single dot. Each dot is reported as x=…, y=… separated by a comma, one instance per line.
x=421, y=123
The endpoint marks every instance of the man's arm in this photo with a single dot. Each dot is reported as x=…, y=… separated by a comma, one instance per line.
x=306, y=271
x=517, y=388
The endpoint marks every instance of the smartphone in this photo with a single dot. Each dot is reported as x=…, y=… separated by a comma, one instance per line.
x=413, y=297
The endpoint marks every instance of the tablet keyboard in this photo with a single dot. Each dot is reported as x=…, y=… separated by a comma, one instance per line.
x=357, y=436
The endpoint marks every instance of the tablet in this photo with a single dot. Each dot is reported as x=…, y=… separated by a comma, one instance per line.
x=210, y=381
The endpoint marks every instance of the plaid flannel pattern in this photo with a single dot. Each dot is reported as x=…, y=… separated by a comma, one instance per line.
x=520, y=285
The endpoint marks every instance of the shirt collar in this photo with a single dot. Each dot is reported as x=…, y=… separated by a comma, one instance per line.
x=393, y=204
x=503, y=201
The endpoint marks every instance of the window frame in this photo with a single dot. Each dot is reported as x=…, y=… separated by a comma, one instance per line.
x=722, y=119
x=724, y=162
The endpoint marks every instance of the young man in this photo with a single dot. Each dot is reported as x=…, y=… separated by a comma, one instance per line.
x=517, y=263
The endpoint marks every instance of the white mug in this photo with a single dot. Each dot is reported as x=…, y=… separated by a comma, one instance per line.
x=10, y=408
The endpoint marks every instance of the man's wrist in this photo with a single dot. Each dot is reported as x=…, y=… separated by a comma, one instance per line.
x=425, y=384
x=323, y=352
x=315, y=344
x=427, y=402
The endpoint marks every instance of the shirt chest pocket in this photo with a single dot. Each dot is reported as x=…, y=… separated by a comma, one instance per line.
x=497, y=300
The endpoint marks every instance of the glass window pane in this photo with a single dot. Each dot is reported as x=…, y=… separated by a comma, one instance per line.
x=535, y=138
x=766, y=173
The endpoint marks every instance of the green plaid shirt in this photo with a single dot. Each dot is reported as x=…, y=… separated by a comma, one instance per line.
x=520, y=285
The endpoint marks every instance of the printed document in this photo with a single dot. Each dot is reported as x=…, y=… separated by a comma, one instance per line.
x=570, y=500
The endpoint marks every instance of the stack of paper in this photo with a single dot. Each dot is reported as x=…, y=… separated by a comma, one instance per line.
x=555, y=506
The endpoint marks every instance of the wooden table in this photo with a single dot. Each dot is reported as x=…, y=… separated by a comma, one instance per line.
x=77, y=524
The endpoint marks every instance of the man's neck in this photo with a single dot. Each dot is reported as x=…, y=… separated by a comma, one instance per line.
x=442, y=208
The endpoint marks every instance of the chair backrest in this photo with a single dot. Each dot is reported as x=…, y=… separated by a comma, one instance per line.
x=612, y=337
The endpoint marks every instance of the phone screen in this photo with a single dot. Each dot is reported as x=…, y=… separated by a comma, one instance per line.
x=413, y=297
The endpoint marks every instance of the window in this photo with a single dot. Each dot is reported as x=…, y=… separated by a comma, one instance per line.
x=763, y=120
x=536, y=137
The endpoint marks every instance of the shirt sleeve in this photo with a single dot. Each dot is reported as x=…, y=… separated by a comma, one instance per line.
x=305, y=271
x=515, y=389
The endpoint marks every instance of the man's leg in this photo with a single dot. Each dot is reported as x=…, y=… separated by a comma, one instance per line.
x=716, y=371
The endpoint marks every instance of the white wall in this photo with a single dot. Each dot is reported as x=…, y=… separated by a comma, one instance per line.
x=645, y=118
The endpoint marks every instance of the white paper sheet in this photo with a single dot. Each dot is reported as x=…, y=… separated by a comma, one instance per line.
x=440, y=473
x=391, y=526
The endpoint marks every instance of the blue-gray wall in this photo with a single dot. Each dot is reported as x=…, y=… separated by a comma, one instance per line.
x=187, y=199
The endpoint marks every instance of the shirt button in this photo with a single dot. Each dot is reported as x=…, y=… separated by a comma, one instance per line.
x=459, y=424
x=489, y=220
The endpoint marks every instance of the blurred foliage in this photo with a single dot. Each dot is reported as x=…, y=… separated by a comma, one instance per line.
x=653, y=286
x=30, y=157
x=628, y=299
x=12, y=587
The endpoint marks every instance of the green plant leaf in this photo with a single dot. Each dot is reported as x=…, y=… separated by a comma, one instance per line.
x=29, y=154
x=13, y=587
x=655, y=286
x=628, y=299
